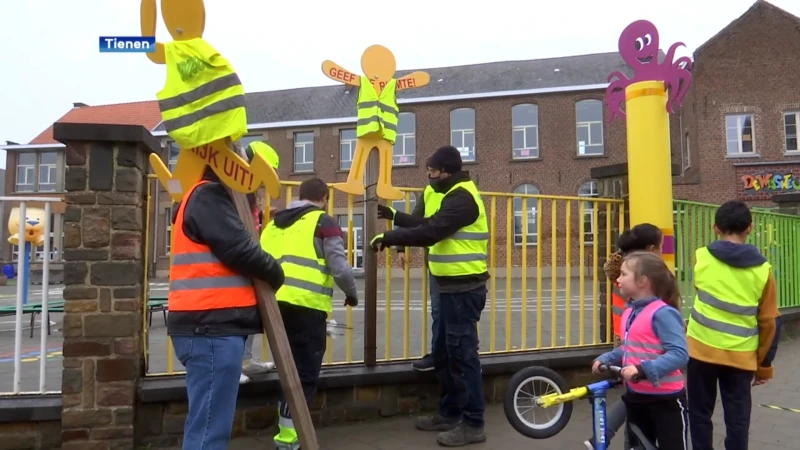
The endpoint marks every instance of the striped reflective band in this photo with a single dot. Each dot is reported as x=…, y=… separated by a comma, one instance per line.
x=723, y=327
x=463, y=257
x=209, y=283
x=616, y=310
x=308, y=286
x=185, y=259
x=285, y=422
x=305, y=262
x=381, y=106
x=364, y=122
x=732, y=308
x=470, y=236
x=210, y=88
x=221, y=106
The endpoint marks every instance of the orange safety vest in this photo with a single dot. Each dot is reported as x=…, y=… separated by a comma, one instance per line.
x=617, y=308
x=198, y=280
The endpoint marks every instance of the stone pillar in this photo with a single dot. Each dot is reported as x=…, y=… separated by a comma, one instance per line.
x=103, y=277
x=788, y=203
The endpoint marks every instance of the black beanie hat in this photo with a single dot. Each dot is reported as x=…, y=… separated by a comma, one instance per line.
x=447, y=159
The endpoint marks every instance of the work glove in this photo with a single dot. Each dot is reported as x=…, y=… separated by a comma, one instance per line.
x=351, y=301
x=385, y=212
x=377, y=243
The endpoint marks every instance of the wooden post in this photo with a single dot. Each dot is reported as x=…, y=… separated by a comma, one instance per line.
x=371, y=261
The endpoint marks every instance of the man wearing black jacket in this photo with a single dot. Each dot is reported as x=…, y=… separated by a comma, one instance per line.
x=457, y=235
x=212, y=305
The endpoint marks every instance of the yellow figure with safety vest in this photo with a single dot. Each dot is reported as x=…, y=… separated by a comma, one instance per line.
x=202, y=105
x=378, y=115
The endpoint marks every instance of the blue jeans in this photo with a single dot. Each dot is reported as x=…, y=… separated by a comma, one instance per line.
x=213, y=367
x=436, y=304
x=459, y=366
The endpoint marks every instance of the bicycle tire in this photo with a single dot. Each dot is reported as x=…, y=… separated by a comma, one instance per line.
x=509, y=402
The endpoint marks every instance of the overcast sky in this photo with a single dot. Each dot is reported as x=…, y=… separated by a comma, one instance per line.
x=51, y=56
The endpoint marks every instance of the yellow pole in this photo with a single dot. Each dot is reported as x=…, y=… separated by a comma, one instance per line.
x=649, y=163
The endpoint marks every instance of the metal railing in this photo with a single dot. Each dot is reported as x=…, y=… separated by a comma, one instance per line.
x=554, y=302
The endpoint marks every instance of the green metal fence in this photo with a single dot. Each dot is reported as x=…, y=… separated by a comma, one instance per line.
x=776, y=235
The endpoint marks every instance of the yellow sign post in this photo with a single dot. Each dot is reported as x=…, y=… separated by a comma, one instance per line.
x=185, y=20
x=653, y=92
x=379, y=66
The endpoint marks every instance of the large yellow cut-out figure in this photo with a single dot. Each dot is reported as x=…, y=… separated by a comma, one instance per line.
x=378, y=115
x=32, y=230
x=185, y=20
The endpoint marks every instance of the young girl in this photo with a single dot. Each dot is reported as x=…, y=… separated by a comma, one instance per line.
x=653, y=351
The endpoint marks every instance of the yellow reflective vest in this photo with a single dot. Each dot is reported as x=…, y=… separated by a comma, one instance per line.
x=377, y=113
x=465, y=252
x=203, y=99
x=725, y=310
x=432, y=201
x=308, y=279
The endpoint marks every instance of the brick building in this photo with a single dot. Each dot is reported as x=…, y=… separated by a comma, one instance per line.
x=539, y=127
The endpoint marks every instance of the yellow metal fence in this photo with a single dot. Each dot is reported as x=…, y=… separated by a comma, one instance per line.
x=544, y=290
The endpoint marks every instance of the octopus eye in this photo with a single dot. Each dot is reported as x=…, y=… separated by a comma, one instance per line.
x=647, y=40
x=639, y=43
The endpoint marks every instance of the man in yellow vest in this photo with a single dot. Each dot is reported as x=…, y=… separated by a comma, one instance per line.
x=457, y=235
x=733, y=329
x=310, y=247
x=425, y=208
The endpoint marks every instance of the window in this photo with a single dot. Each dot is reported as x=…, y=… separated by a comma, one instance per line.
x=462, y=132
x=48, y=165
x=589, y=126
x=347, y=148
x=739, y=133
x=400, y=205
x=525, y=131
x=172, y=155
x=531, y=214
x=405, y=147
x=358, y=238
x=687, y=153
x=304, y=152
x=790, y=121
x=168, y=234
x=588, y=189
x=26, y=170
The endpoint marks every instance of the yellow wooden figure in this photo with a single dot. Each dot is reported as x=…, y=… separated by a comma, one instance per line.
x=197, y=108
x=32, y=231
x=378, y=115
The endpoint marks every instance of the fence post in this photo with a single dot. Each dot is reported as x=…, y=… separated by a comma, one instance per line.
x=103, y=276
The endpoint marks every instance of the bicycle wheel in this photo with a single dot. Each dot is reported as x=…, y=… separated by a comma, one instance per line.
x=520, y=406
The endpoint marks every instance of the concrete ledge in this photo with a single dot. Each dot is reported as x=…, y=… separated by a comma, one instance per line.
x=30, y=408
x=791, y=197
x=617, y=170
x=173, y=388
x=95, y=132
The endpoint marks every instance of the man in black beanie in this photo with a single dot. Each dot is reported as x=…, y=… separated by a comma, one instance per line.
x=457, y=235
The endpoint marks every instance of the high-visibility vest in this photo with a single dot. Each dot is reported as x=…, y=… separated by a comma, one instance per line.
x=376, y=113
x=725, y=310
x=198, y=281
x=640, y=343
x=618, y=304
x=308, y=279
x=432, y=201
x=463, y=253
x=203, y=99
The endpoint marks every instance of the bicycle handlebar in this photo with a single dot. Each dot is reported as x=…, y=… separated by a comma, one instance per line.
x=616, y=371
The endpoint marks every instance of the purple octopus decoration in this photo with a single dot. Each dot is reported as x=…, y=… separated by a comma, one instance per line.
x=638, y=46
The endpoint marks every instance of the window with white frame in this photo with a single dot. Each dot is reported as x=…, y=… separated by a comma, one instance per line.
x=48, y=170
x=739, y=134
x=531, y=215
x=405, y=147
x=168, y=234
x=172, y=156
x=26, y=172
x=462, y=132
x=687, y=152
x=790, y=122
x=347, y=148
x=304, y=152
x=589, y=127
x=525, y=131
x=588, y=189
x=400, y=205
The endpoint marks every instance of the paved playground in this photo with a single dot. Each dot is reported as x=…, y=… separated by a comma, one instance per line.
x=770, y=429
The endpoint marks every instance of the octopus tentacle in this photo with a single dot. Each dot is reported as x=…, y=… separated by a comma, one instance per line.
x=671, y=54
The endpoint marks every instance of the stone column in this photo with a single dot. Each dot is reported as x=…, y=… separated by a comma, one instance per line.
x=103, y=277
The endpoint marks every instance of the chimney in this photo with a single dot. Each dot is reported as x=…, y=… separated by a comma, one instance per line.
x=11, y=143
x=79, y=105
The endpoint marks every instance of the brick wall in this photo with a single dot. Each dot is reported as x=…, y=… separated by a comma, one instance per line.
x=103, y=236
x=749, y=67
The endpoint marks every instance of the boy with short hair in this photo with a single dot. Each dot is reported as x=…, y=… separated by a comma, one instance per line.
x=733, y=329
